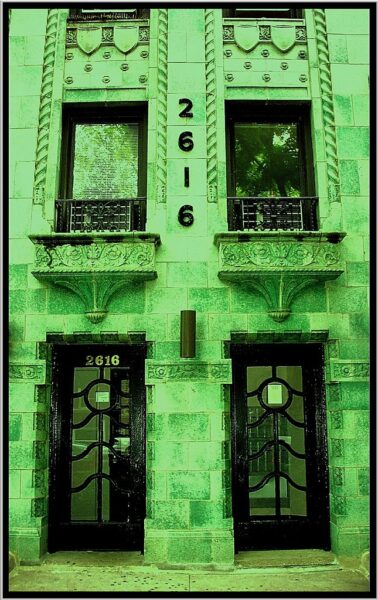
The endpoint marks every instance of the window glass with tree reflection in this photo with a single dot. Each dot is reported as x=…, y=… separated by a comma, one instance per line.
x=270, y=170
x=267, y=160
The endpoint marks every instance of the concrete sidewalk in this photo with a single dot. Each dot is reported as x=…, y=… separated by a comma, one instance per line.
x=306, y=571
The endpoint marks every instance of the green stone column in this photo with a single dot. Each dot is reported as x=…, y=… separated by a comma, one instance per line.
x=188, y=463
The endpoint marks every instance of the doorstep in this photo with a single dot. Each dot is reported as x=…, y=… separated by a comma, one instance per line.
x=262, y=559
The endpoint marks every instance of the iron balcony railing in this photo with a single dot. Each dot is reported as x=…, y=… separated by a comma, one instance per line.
x=272, y=214
x=86, y=216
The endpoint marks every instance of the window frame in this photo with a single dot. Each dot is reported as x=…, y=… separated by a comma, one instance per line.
x=257, y=13
x=272, y=112
x=76, y=14
x=95, y=114
x=275, y=112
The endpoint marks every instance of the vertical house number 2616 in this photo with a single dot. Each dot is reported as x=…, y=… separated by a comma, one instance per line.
x=185, y=142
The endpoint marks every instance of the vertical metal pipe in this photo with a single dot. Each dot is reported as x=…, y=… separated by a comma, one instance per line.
x=188, y=334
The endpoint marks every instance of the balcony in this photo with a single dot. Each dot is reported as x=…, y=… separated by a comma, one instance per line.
x=86, y=216
x=279, y=265
x=272, y=214
x=94, y=265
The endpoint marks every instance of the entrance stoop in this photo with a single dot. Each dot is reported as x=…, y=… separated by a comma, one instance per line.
x=284, y=558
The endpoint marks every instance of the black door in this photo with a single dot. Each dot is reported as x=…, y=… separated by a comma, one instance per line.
x=97, y=476
x=280, y=476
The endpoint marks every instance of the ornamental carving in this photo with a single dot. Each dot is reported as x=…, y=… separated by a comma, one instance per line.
x=338, y=478
x=349, y=370
x=158, y=372
x=282, y=35
x=94, y=271
x=44, y=116
x=327, y=106
x=97, y=257
x=279, y=266
x=334, y=392
x=28, y=372
x=89, y=37
x=162, y=90
x=211, y=106
x=273, y=254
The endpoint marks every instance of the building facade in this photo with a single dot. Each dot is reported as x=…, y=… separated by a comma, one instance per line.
x=211, y=161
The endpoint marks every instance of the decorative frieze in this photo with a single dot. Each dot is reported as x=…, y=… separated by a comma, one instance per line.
x=89, y=38
x=348, y=370
x=96, y=53
x=94, y=257
x=248, y=35
x=278, y=266
x=163, y=371
x=266, y=42
x=281, y=254
x=34, y=372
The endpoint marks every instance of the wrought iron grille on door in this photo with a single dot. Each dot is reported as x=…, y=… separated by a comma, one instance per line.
x=98, y=466
x=280, y=489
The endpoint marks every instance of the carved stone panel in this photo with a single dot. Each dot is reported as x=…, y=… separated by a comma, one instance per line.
x=95, y=268
x=349, y=370
x=30, y=372
x=279, y=266
x=265, y=53
x=182, y=370
x=107, y=54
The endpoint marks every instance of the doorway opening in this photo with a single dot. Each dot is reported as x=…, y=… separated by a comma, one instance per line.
x=97, y=447
x=279, y=442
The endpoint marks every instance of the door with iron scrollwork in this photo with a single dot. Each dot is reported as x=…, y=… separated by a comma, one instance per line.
x=280, y=472
x=97, y=477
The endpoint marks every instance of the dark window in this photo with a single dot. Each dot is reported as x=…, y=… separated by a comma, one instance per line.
x=270, y=179
x=110, y=13
x=103, y=183
x=263, y=13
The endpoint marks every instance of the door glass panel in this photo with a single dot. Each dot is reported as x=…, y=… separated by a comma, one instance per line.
x=291, y=374
x=276, y=441
x=101, y=419
x=84, y=503
x=256, y=375
x=296, y=504
x=296, y=409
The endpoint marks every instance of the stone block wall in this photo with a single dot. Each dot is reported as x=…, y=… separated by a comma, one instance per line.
x=189, y=516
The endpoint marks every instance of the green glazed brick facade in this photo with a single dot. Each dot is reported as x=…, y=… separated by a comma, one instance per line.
x=266, y=287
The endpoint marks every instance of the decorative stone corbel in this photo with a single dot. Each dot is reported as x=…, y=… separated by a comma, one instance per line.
x=279, y=265
x=95, y=266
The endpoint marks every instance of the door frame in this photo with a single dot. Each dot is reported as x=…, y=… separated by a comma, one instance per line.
x=252, y=533
x=59, y=447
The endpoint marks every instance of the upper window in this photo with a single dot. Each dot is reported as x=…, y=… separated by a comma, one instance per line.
x=103, y=183
x=270, y=179
x=263, y=13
